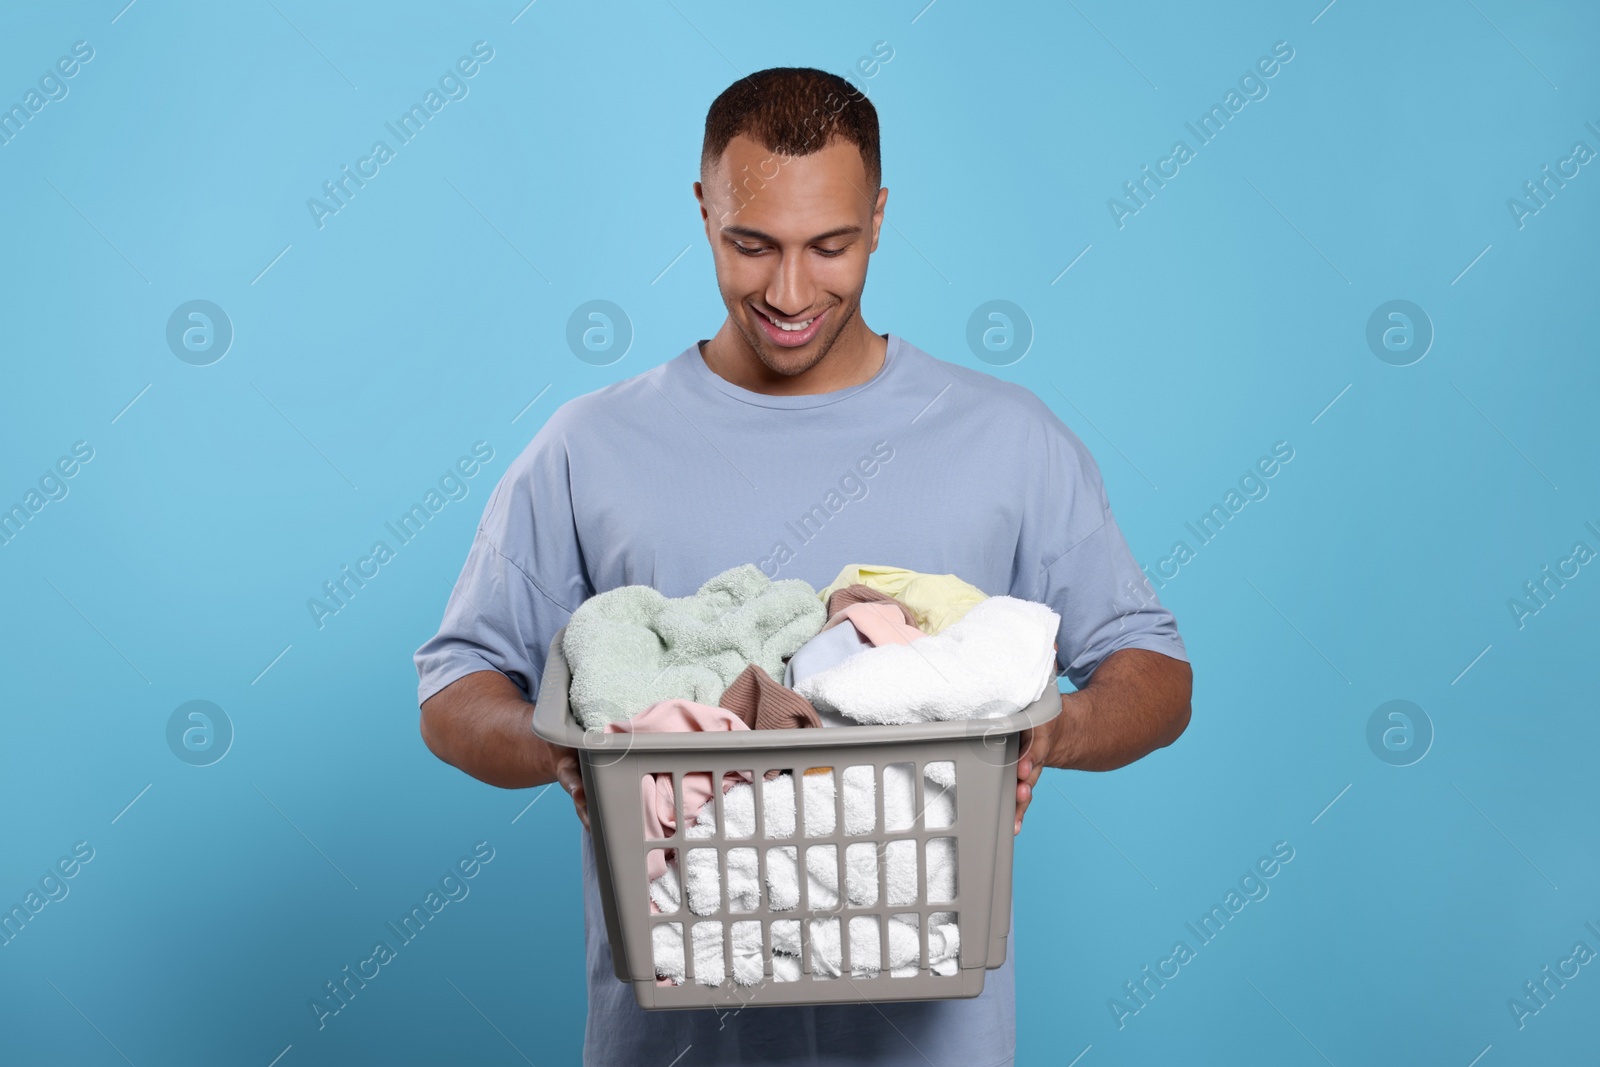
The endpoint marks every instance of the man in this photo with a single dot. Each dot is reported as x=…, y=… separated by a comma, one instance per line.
x=800, y=440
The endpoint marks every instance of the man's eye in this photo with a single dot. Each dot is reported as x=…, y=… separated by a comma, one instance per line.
x=747, y=251
x=831, y=251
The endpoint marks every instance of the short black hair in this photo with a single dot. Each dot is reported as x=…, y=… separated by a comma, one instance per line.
x=793, y=111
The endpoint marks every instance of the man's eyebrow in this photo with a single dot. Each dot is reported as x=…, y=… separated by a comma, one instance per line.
x=757, y=235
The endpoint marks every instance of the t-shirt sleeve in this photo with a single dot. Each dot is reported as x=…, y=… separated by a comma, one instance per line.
x=523, y=578
x=1073, y=557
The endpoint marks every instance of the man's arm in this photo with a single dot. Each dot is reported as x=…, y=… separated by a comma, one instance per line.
x=1135, y=702
x=481, y=724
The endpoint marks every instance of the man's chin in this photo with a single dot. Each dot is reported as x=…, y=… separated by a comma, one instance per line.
x=798, y=360
x=786, y=361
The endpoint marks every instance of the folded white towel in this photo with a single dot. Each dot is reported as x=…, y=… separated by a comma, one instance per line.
x=899, y=858
x=995, y=661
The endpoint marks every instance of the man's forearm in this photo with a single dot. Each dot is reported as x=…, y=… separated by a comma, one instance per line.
x=1135, y=702
x=481, y=724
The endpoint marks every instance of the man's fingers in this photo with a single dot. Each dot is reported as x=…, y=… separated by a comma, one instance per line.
x=1026, y=762
x=1030, y=765
x=568, y=775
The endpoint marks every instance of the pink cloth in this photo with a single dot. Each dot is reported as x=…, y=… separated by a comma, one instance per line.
x=881, y=622
x=660, y=816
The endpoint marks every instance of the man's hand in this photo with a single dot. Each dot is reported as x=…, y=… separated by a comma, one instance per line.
x=1031, y=750
x=571, y=780
x=1032, y=758
x=1135, y=702
x=482, y=724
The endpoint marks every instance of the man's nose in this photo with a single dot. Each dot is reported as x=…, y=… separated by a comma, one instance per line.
x=790, y=290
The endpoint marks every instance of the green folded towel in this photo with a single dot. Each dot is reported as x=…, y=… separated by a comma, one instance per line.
x=631, y=646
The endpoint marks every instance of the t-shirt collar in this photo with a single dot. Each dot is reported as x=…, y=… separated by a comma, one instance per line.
x=701, y=372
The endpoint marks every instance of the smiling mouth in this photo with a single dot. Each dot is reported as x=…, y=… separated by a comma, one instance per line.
x=789, y=326
x=791, y=333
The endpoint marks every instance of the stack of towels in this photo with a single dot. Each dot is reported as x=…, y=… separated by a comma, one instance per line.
x=705, y=888
x=880, y=645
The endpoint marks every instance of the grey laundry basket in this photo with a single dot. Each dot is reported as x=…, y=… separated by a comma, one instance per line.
x=984, y=754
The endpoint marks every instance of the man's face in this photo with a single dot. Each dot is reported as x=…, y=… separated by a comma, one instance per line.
x=790, y=236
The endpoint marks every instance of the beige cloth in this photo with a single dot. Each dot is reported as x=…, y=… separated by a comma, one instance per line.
x=936, y=601
x=763, y=704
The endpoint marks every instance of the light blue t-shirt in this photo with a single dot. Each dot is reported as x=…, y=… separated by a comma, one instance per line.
x=675, y=475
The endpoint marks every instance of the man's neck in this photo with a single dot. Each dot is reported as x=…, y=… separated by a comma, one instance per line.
x=850, y=362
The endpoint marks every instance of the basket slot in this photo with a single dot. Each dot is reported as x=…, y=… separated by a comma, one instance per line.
x=861, y=800
x=820, y=800
x=783, y=878
x=653, y=788
x=901, y=856
x=818, y=859
x=667, y=943
x=672, y=886
x=941, y=810
x=941, y=885
x=786, y=933
x=744, y=952
x=737, y=820
x=708, y=936
x=825, y=931
x=702, y=785
x=781, y=794
x=744, y=886
x=898, y=797
x=863, y=873
x=704, y=880
x=865, y=946
x=914, y=921
x=935, y=919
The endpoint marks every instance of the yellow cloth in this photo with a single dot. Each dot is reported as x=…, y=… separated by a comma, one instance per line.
x=936, y=601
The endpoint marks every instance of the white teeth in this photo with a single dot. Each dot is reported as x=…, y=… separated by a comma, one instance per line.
x=788, y=328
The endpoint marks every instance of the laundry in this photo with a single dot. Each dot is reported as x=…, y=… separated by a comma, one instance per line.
x=763, y=704
x=936, y=601
x=828, y=649
x=631, y=647
x=905, y=949
x=881, y=624
x=859, y=617
x=851, y=595
x=703, y=887
x=660, y=816
x=905, y=952
x=995, y=661
x=708, y=968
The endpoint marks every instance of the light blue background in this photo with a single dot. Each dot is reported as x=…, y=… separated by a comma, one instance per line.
x=429, y=313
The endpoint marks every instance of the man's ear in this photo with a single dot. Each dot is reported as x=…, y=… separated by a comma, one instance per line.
x=877, y=216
